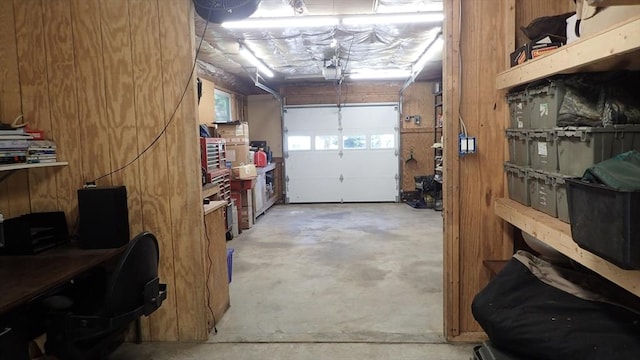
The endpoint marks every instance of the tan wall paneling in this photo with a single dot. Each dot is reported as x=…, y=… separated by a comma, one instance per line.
x=154, y=172
x=178, y=49
x=351, y=93
x=118, y=66
x=92, y=103
x=528, y=10
x=216, y=266
x=102, y=84
x=32, y=64
x=472, y=183
x=14, y=191
x=265, y=121
x=65, y=132
x=418, y=100
x=207, y=106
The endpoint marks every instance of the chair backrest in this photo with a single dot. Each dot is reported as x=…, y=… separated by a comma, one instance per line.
x=137, y=266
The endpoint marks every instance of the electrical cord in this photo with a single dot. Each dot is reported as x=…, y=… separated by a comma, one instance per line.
x=173, y=114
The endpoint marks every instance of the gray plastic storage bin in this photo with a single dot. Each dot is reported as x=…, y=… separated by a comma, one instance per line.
x=543, y=104
x=518, y=111
x=518, y=146
x=518, y=183
x=562, y=202
x=542, y=192
x=543, y=152
x=581, y=147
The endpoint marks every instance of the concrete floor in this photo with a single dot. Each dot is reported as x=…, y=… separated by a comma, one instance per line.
x=340, y=281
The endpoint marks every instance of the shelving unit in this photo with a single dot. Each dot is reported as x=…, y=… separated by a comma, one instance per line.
x=14, y=167
x=557, y=234
x=617, y=48
x=268, y=198
x=437, y=134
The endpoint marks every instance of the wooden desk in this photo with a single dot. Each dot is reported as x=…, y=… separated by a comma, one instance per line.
x=25, y=277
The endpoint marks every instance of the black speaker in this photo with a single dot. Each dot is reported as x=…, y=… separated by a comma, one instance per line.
x=104, y=217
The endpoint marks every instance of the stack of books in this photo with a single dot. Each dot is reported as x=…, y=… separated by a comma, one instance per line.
x=41, y=151
x=13, y=151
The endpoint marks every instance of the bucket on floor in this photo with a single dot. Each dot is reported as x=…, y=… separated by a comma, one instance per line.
x=229, y=262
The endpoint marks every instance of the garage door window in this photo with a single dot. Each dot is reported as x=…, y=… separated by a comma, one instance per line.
x=327, y=142
x=299, y=143
x=354, y=142
x=386, y=141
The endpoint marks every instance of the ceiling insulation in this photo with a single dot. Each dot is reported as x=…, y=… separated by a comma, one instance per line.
x=297, y=54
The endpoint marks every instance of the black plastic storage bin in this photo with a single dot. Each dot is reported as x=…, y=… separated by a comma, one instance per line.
x=487, y=351
x=604, y=221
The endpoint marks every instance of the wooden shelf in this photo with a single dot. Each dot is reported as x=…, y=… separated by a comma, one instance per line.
x=213, y=206
x=616, y=48
x=13, y=167
x=557, y=234
x=210, y=190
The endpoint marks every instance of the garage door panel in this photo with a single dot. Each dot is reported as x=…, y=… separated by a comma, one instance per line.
x=314, y=190
x=367, y=139
x=371, y=163
x=304, y=120
x=363, y=189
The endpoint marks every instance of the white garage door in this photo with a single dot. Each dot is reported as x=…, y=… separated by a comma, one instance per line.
x=341, y=155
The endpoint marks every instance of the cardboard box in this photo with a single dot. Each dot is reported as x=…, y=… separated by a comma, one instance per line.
x=238, y=154
x=532, y=50
x=234, y=131
x=606, y=18
x=244, y=172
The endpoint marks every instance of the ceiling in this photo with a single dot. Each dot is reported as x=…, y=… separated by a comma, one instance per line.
x=300, y=54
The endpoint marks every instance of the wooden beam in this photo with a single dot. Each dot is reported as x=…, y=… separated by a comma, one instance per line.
x=618, y=45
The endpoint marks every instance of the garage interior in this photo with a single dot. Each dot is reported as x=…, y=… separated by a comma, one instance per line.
x=338, y=249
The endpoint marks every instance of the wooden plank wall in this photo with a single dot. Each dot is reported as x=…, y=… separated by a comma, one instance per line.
x=102, y=78
x=478, y=37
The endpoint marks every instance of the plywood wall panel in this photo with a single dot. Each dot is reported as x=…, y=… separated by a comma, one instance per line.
x=90, y=82
x=472, y=183
x=14, y=191
x=154, y=172
x=418, y=100
x=207, y=105
x=422, y=154
x=34, y=94
x=215, y=259
x=177, y=44
x=65, y=132
x=528, y=10
x=118, y=70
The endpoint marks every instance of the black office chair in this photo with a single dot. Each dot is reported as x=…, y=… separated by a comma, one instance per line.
x=93, y=330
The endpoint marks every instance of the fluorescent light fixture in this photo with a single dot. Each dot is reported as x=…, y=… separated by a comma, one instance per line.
x=282, y=22
x=368, y=74
x=255, y=61
x=394, y=18
x=429, y=54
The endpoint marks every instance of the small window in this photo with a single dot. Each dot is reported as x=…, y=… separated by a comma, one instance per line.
x=354, y=142
x=223, y=106
x=327, y=142
x=299, y=143
x=386, y=141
